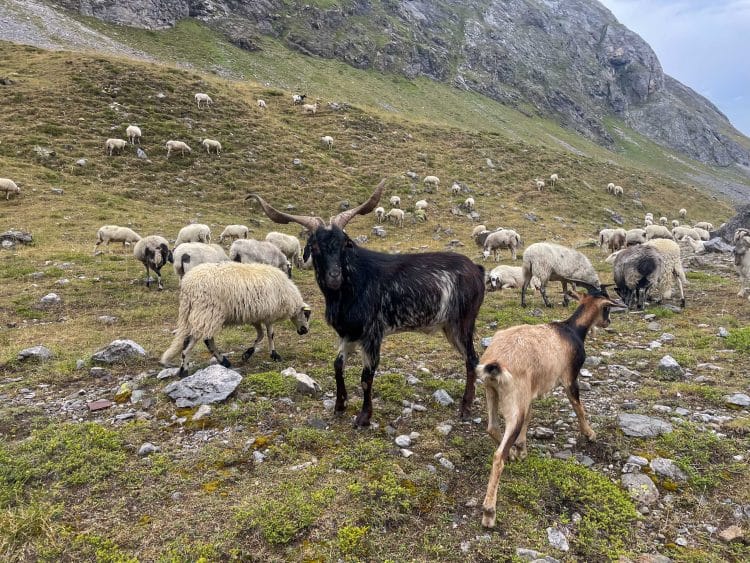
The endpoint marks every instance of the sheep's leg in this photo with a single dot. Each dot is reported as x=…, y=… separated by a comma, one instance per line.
x=518, y=450
x=148, y=276
x=274, y=355
x=221, y=358
x=187, y=346
x=371, y=359
x=250, y=351
x=574, y=396
x=512, y=428
x=682, y=291
x=158, y=279
x=526, y=281
x=543, y=291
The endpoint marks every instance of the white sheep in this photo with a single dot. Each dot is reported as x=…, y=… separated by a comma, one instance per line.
x=635, y=236
x=432, y=181
x=553, y=262
x=379, y=214
x=196, y=232
x=9, y=187
x=553, y=179
x=649, y=216
x=670, y=252
x=663, y=221
x=742, y=260
x=617, y=240
x=469, y=204
x=113, y=233
x=675, y=223
x=477, y=230
x=234, y=232
x=327, y=141
x=396, y=216
x=456, y=188
x=191, y=254
x=604, y=236
x=683, y=212
x=704, y=225
x=506, y=277
x=262, y=104
x=297, y=99
x=421, y=204
x=611, y=187
x=133, y=132
x=704, y=234
x=395, y=201
x=504, y=238
x=697, y=245
x=205, y=98
x=251, y=251
x=539, y=184
x=310, y=108
x=209, y=144
x=679, y=233
x=658, y=231
x=153, y=252
x=289, y=246
x=177, y=146
x=619, y=190
x=112, y=145
x=216, y=295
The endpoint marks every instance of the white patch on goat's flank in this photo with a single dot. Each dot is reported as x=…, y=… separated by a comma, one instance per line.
x=446, y=292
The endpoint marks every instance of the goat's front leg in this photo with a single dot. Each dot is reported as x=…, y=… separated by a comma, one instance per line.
x=339, y=365
x=371, y=359
x=471, y=376
x=513, y=427
x=573, y=393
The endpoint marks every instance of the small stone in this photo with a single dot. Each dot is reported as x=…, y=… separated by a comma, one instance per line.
x=167, y=372
x=297, y=162
x=471, y=503
x=140, y=153
x=738, y=399
x=653, y=326
x=329, y=404
x=445, y=462
x=667, y=468
x=258, y=457
x=662, y=408
x=641, y=426
x=667, y=337
x=585, y=373
x=57, y=191
x=124, y=392
x=202, y=412
x=119, y=351
x=124, y=416
x=682, y=542
x=544, y=433
x=403, y=441
x=50, y=299
x=637, y=460
x=305, y=384
x=379, y=232
x=731, y=534
x=640, y=487
x=137, y=396
x=444, y=428
x=412, y=380
x=681, y=411
x=486, y=341
x=209, y=385
x=80, y=364
x=406, y=453
x=99, y=404
x=107, y=319
x=668, y=366
x=442, y=397
x=39, y=353
x=98, y=372
x=557, y=539
x=147, y=449
x=592, y=361
x=723, y=332
x=81, y=162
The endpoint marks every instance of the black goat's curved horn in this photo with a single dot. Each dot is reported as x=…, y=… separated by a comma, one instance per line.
x=344, y=217
x=310, y=223
x=590, y=288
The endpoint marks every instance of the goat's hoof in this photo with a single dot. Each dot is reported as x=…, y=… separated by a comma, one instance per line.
x=275, y=356
x=224, y=362
x=465, y=413
x=517, y=453
x=248, y=354
x=488, y=518
x=182, y=372
x=362, y=420
x=590, y=435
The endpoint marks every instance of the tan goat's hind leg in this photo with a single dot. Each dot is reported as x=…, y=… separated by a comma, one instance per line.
x=493, y=428
x=575, y=400
x=518, y=451
x=512, y=429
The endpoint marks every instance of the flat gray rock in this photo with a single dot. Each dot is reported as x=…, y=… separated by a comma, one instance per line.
x=305, y=383
x=557, y=539
x=40, y=353
x=118, y=351
x=442, y=397
x=667, y=468
x=50, y=299
x=738, y=399
x=209, y=385
x=640, y=488
x=669, y=367
x=642, y=426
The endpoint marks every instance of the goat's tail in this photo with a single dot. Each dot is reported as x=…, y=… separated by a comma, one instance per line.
x=494, y=370
x=182, y=332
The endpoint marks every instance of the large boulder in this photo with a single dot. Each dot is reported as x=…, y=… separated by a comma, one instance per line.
x=740, y=220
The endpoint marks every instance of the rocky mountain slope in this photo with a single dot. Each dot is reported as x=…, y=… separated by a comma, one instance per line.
x=569, y=60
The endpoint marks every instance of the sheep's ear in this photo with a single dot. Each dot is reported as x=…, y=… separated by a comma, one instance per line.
x=306, y=310
x=306, y=252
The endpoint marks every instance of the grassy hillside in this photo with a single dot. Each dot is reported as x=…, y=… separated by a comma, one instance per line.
x=72, y=486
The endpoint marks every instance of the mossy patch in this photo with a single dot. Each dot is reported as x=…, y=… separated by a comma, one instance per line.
x=270, y=384
x=739, y=339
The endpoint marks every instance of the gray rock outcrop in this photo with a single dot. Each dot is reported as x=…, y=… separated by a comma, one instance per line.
x=209, y=385
x=119, y=351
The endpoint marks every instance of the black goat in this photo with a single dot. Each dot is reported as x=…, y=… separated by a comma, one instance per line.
x=636, y=269
x=370, y=294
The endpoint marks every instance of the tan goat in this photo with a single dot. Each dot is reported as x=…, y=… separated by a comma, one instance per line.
x=526, y=361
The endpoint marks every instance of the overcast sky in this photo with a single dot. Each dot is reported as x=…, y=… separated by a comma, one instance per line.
x=705, y=44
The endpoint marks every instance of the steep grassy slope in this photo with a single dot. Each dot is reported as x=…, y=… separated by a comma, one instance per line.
x=72, y=486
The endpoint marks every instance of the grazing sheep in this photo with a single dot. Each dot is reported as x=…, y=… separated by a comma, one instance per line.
x=288, y=245
x=233, y=232
x=177, y=146
x=648, y=222
x=421, y=204
x=153, y=252
x=196, y=232
x=298, y=99
x=604, y=236
x=697, y=245
x=553, y=179
x=683, y=212
x=9, y=187
x=432, y=181
x=553, y=262
x=663, y=221
x=636, y=269
x=456, y=188
x=704, y=234
x=327, y=140
x=395, y=201
x=133, y=133
x=211, y=144
x=648, y=216
x=742, y=260
x=262, y=104
x=525, y=362
x=670, y=252
x=481, y=237
x=658, y=231
x=704, y=225
x=611, y=187
x=191, y=254
x=379, y=214
x=504, y=238
x=506, y=277
x=680, y=233
x=310, y=108
x=617, y=240
x=216, y=295
x=205, y=98
x=476, y=230
x=675, y=223
x=635, y=236
x=112, y=145
x=539, y=184
x=249, y=251
x=469, y=204
x=619, y=190
x=396, y=216
x=113, y=233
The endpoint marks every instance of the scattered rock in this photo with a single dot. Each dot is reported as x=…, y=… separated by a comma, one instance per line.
x=667, y=337
x=305, y=384
x=258, y=457
x=738, y=399
x=730, y=534
x=653, y=557
x=557, y=539
x=99, y=404
x=379, y=231
x=717, y=245
x=44, y=152
x=640, y=487
x=448, y=464
x=444, y=428
x=167, y=372
x=403, y=441
x=118, y=351
x=39, y=353
x=297, y=162
x=124, y=393
x=531, y=217
x=80, y=364
x=209, y=385
x=442, y=397
x=531, y=555
x=653, y=325
x=667, y=468
x=669, y=367
x=147, y=449
x=486, y=341
x=57, y=191
x=140, y=153
x=98, y=372
x=50, y=299
x=642, y=426
x=202, y=412
x=81, y=162
x=544, y=433
x=406, y=453
x=107, y=319
x=723, y=332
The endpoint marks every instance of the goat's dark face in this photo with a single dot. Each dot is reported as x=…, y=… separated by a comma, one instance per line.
x=329, y=248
